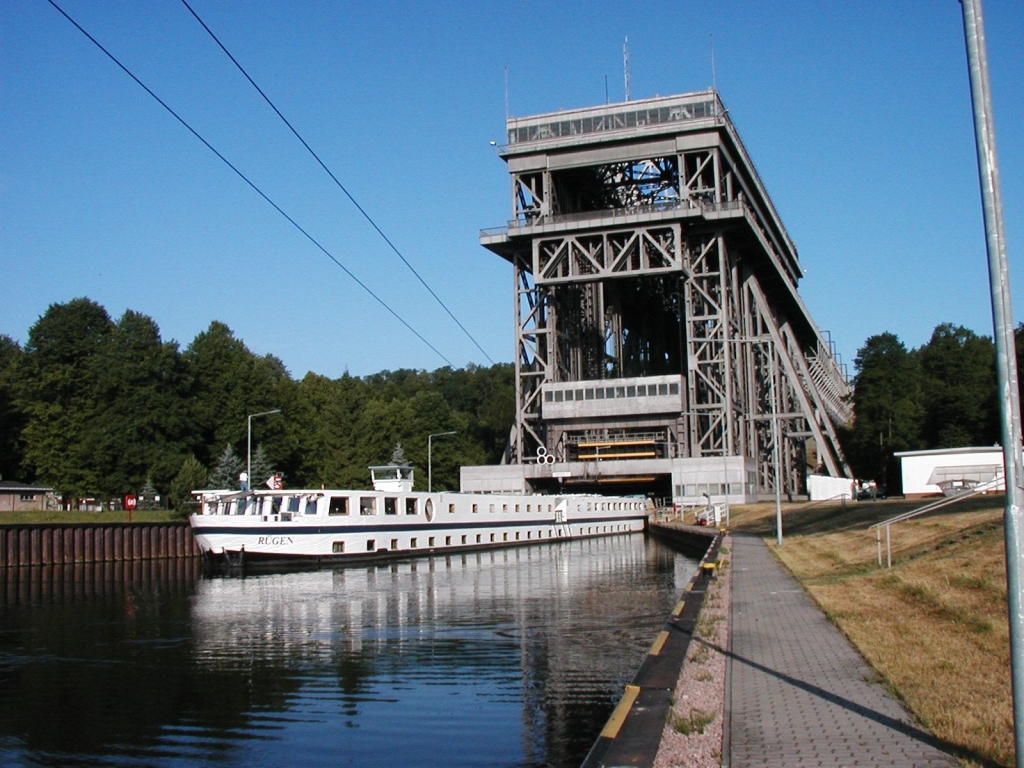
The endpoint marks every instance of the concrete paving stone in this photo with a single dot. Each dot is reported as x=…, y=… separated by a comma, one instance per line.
x=800, y=694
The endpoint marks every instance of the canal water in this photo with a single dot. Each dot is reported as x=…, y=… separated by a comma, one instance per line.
x=510, y=657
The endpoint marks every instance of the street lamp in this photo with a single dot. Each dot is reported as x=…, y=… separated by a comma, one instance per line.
x=430, y=466
x=248, y=450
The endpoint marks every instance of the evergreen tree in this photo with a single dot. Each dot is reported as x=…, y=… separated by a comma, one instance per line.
x=12, y=419
x=225, y=474
x=229, y=383
x=191, y=477
x=959, y=388
x=887, y=404
x=262, y=470
x=148, y=496
x=140, y=427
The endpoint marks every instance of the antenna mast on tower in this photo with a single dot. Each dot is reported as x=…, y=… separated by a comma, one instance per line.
x=625, y=65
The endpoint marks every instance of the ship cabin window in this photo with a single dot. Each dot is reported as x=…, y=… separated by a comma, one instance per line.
x=390, y=505
x=367, y=505
x=430, y=541
x=211, y=508
x=293, y=504
x=529, y=508
x=463, y=539
x=491, y=509
x=476, y=508
x=339, y=505
x=504, y=507
x=394, y=543
x=338, y=547
x=371, y=544
x=451, y=509
x=517, y=507
x=275, y=505
x=412, y=543
x=410, y=507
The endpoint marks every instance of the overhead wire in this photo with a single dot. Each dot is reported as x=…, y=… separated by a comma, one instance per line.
x=335, y=179
x=248, y=181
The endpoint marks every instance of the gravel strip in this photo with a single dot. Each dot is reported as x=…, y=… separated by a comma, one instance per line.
x=688, y=738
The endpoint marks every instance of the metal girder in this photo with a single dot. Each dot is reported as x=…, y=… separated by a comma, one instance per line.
x=611, y=253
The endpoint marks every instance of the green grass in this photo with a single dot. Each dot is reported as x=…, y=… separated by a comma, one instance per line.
x=695, y=722
x=138, y=516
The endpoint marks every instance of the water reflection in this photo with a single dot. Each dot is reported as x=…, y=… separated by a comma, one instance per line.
x=510, y=657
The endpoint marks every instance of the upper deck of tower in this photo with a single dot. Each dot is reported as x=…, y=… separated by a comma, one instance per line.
x=611, y=136
x=662, y=114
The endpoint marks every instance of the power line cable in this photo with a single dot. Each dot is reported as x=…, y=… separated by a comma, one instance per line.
x=246, y=179
x=335, y=179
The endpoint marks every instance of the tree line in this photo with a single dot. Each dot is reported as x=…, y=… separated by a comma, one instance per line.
x=97, y=407
x=942, y=394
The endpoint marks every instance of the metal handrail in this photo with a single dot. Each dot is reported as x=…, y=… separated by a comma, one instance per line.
x=991, y=485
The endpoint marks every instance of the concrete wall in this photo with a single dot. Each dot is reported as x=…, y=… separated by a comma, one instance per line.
x=820, y=488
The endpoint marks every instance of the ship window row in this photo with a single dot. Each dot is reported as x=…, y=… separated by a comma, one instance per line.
x=288, y=506
x=613, y=506
x=505, y=507
x=338, y=547
x=610, y=393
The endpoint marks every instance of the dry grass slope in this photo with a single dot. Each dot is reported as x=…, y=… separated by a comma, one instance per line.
x=934, y=626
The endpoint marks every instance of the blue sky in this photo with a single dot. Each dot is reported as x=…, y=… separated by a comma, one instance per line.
x=856, y=114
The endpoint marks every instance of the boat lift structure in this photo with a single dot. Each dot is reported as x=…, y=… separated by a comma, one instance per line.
x=661, y=344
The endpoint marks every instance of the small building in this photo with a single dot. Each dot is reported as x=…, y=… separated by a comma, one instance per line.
x=951, y=470
x=21, y=497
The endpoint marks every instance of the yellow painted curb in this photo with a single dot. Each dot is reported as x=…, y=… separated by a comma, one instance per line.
x=611, y=729
x=659, y=643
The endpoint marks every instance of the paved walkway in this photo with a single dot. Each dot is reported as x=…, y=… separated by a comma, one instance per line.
x=798, y=692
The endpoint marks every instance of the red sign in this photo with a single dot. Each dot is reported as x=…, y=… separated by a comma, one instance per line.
x=130, y=501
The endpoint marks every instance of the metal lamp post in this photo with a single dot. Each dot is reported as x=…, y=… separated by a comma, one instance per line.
x=1006, y=363
x=248, y=450
x=430, y=465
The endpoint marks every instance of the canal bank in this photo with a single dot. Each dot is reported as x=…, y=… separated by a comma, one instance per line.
x=633, y=733
x=33, y=544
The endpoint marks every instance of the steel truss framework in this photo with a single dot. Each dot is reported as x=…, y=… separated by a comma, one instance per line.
x=632, y=262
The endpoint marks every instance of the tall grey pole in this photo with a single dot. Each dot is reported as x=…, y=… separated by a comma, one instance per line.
x=1006, y=363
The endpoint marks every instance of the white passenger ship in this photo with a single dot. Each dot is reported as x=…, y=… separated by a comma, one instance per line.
x=392, y=520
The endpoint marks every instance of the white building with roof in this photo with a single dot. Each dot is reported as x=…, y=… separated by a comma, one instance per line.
x=946, y=470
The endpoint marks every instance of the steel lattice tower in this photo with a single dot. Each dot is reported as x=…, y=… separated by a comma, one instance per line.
x=659, y=332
